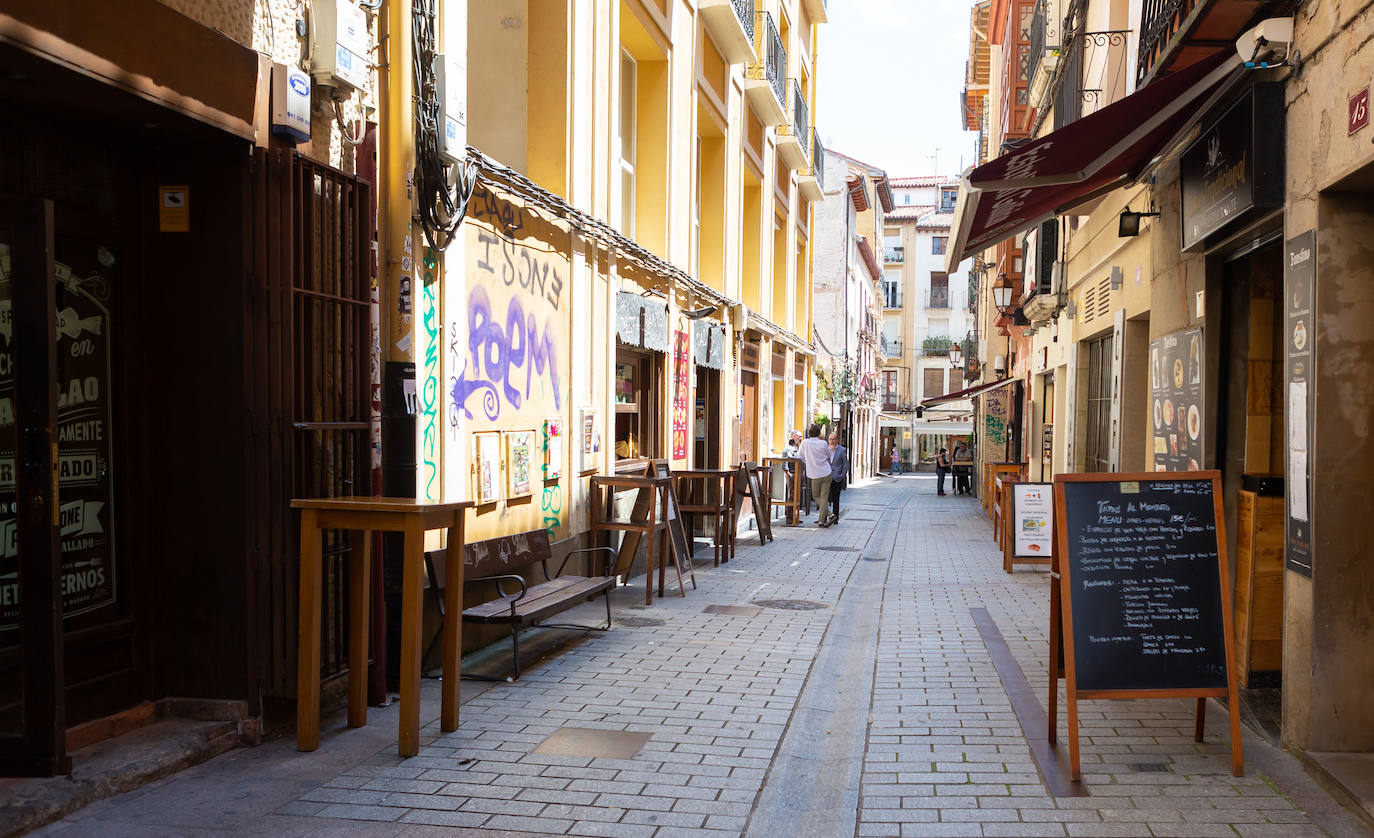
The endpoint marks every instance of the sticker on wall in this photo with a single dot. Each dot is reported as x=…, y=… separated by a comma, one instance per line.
x=590, y=430
x=553, y=449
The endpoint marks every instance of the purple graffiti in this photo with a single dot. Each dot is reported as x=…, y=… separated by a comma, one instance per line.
x=496, y=353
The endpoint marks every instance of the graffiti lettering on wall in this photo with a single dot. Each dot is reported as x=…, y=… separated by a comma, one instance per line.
x=499, y=349
x=429, y=390
x=551, y=504
x=996, y=429
x=996, y=409
x=512, y=363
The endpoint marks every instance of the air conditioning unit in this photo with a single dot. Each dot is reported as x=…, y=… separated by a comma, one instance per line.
x=1044, y=273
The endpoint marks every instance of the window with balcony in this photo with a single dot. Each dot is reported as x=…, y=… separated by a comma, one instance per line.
x=892, y=293
x=939, y=291
x=889, y=389
x=1098, y=452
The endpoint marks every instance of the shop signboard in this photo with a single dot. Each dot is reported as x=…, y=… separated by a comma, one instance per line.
x=681, y=393
x=1234, y=166
x=85, y=461
x=1300, y=275
x=1176, y=418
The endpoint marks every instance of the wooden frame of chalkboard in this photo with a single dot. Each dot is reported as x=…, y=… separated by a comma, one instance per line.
x=748, y=486
x=1010, y=524
x=1144, y=591
x=677, y=536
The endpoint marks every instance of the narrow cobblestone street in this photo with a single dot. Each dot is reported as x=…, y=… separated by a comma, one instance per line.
x=847, y=690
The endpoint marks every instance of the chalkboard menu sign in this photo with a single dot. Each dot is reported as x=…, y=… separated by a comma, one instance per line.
x=1145, y=610
x=682, y=551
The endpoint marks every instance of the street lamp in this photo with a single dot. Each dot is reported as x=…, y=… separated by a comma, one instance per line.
x=1001, y=296
x=956, y=355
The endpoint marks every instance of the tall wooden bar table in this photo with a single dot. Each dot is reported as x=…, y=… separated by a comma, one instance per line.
x=365, y=515
x=648, y=519
x=793, y=472
x=709, y=492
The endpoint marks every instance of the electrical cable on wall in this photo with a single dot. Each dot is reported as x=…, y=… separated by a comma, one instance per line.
x=441, y=192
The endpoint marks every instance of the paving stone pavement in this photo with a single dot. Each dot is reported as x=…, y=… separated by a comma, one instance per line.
x=917, y=739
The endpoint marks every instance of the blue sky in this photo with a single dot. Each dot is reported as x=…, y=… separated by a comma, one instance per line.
x=890, y=76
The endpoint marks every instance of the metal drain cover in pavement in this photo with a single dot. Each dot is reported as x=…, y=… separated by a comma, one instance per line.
x=858, y=519
x=790, y=604
x=639, y=622
x=874, y=559
x=732, y=610
x=1151, y=767
x=593, y=742
x=838, y=549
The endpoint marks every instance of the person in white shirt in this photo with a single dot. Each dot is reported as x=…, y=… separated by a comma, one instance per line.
x=815, y=454
x=791, y=449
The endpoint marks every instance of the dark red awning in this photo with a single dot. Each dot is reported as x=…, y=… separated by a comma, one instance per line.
x=1082, y=160
x=977, y=389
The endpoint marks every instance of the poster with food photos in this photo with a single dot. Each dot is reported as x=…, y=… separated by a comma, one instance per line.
x=1176, y=419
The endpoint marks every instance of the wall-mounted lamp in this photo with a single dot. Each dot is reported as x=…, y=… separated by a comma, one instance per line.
x=1071, y=310
x=956, y=355
x=698, y=313
x=999, y=366
x=1001, y=296
x=1129, y=225
x=1117, y=278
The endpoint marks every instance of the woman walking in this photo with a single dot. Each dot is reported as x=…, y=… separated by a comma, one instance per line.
x=942, y=467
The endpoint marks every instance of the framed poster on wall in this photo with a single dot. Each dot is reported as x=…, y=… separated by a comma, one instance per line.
x=589, y=431
x=487, y=467
x=553, y=449
x=519, y=462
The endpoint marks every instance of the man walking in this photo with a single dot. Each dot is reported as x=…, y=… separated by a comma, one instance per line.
x=815, y=454
x=839, y=475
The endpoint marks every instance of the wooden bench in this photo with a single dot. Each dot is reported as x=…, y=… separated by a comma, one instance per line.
x=502, y=563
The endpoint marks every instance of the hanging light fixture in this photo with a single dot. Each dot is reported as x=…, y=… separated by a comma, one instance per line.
x=956, y=355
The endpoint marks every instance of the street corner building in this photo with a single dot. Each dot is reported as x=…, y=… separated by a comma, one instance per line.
x=1168, y=223
x=430, y=249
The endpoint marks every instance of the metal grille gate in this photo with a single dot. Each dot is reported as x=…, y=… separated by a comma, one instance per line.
x=311, y=338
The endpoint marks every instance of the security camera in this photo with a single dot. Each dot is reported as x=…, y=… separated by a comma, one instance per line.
x=1267, y=44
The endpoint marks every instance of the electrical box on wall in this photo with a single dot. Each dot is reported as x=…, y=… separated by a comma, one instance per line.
x=290, y=102
x=340, y=44
x=451, y=80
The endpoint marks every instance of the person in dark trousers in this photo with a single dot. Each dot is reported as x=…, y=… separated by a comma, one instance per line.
x=963, y=469
x=942, y=467
x=896, y=463
x=839, y=475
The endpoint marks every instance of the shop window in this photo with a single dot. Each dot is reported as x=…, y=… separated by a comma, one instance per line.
x=635, y=395
x=1098, y=454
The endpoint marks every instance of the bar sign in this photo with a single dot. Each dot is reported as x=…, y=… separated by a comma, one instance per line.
x=1359, y=111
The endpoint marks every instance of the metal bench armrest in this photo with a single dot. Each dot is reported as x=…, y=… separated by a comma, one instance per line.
x=524, y=589
x=610, y=560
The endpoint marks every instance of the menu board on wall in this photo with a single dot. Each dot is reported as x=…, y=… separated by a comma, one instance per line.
x=1176, y=401
x=1300, y=274
x=85, y=461
x=681, y=389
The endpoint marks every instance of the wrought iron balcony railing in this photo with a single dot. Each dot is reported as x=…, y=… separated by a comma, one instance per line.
x=801, y=117
x=744, y=10
x=937, y=298
x=774, y=57
x=817, y=159
x=1037, y=43
x=1159, y=20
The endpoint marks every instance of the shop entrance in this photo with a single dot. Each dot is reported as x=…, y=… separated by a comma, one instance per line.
x=706, y=422
x=1250, y=454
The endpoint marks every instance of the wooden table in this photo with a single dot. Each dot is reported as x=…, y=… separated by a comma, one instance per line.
x=710, y=492
x=650, y=519
x=364, y=515
x=793, y=471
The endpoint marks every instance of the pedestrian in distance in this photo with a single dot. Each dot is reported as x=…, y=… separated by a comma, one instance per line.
x=942, y=467
x=896, y=463
x=815, y=455
x=963, y=469
x=839, y=475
